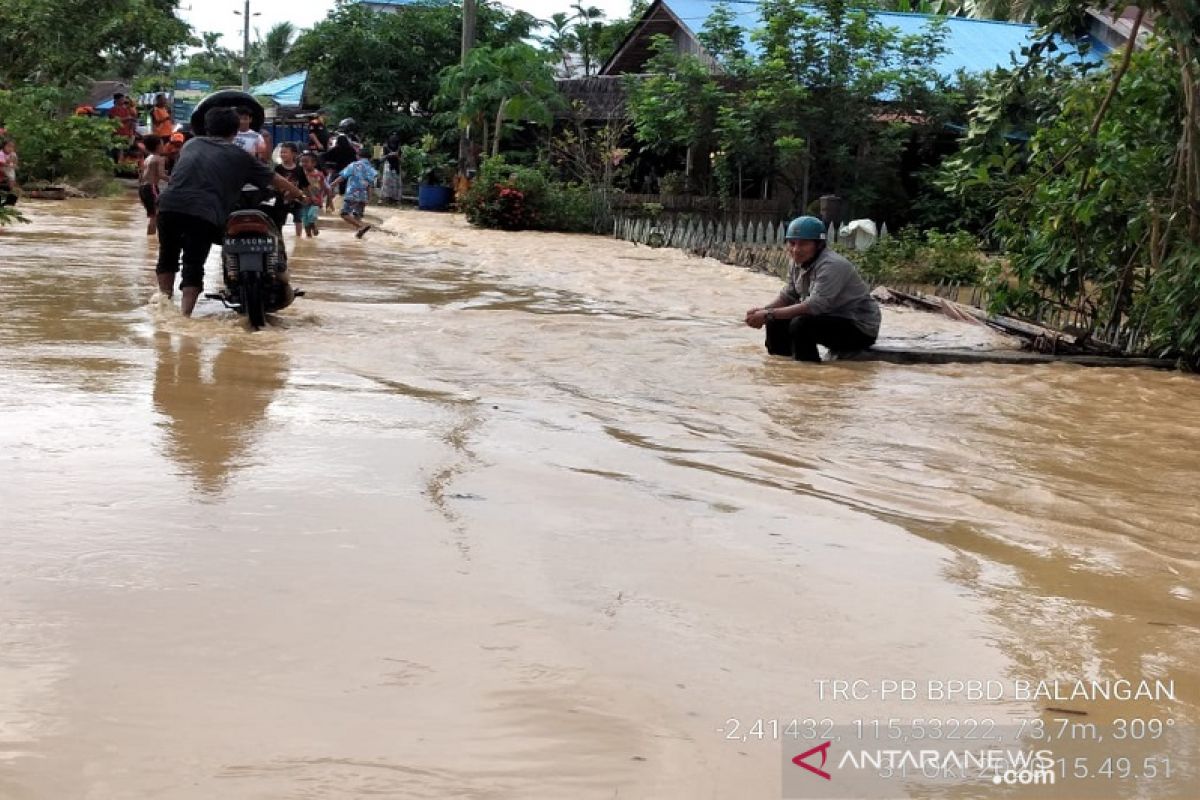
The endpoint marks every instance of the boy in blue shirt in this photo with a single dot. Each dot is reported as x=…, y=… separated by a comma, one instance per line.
x=359, y=177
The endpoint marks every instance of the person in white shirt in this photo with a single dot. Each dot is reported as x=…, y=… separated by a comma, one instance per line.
x=252, y=142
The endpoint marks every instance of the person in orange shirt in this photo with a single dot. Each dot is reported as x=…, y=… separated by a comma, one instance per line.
x=162, y=124
x=125, y=116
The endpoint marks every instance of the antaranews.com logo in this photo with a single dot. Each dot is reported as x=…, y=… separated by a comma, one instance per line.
x=827, y=771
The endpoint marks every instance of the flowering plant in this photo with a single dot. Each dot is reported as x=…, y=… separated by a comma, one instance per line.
x=506, y=196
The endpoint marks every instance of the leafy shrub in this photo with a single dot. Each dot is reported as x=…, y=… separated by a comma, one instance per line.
x=425, y=165
x=9, y=215
x=934, y=257
x=673, y=183
x=505, y=196
x=576, y=208
x=54, y=144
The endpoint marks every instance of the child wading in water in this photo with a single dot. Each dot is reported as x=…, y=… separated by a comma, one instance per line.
x=8, y=167
x=316, y=194
x=359, y=178
x=296, y=175
x=151, y=180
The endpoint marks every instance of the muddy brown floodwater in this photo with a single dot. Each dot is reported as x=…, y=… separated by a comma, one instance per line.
x=494, y=515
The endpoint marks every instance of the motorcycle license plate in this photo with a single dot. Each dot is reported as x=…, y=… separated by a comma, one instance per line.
x=250, y=245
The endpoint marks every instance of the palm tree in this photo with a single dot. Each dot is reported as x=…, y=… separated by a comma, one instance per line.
x=560, y=40
x=269, y=54
x=588, y=27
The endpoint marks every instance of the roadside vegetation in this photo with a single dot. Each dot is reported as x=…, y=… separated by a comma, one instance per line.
x=1083, y=180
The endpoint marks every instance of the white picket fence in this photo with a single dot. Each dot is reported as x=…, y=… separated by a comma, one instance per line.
x=757, y=245
x=760, y=247
x=692, y=233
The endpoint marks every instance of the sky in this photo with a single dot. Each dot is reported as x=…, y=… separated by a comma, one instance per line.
x=218, y=16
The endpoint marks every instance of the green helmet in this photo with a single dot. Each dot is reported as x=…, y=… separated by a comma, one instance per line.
x=805, y=228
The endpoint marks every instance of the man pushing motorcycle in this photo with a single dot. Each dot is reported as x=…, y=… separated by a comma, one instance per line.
x=205, y=187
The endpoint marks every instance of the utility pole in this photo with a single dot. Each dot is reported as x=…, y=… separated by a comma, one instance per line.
x=465, y=162
x=245, y=15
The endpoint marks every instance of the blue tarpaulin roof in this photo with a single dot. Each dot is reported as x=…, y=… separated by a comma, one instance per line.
x=286, y=91
x=973, y=45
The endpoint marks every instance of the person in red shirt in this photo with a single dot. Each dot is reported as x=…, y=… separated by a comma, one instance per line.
x=125, y=116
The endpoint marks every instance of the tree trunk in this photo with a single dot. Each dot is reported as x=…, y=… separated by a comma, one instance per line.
x=499, y=127
x=807, y=170
x=468, y=41
x=1190, y=148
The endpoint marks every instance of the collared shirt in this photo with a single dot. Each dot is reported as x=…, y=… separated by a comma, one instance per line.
x=830, y=284
x=360, y=176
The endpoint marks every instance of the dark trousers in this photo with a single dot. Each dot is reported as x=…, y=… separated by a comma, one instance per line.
x=189, y=237
x=798, y=337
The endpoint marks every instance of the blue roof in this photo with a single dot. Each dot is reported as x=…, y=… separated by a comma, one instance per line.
x=286, y=91
x=974, y=45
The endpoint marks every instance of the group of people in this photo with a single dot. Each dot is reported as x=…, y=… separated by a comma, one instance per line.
x=189, y=201
x=326, y=167
x=825, y=301
x=189, y=189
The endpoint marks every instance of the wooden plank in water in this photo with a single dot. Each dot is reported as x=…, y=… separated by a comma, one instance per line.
x=900, y=355
x=1006, y=324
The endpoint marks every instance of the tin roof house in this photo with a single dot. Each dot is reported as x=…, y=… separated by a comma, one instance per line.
x=973, y=46
x=286, y=94
x=970, y=46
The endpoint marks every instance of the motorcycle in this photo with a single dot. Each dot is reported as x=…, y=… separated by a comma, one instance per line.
x=254, y=265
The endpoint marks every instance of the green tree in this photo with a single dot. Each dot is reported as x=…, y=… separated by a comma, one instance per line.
x=676, y=104
x=216, y=64
x=382, y=68
x=852, y=90
x=560, y=40
x=270, y=54
x=723, y=38
x=827, y=105
x=1100, y=211
x=55, y=144
x=586, y=33
x=61, y=42
x=589, y=27
x=512, y=84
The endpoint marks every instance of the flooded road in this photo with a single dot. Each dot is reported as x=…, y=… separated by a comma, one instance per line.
x=493, y=515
